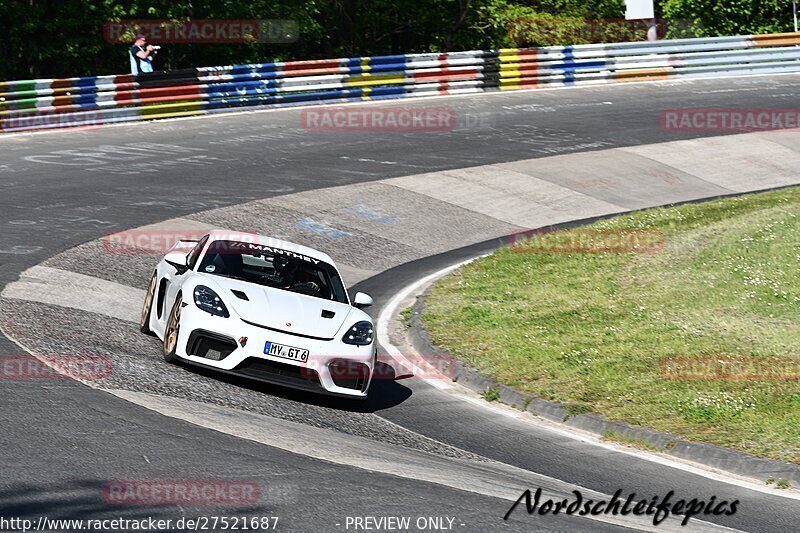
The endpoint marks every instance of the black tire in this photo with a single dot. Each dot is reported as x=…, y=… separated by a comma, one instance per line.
x=147, y=307
x=172, y=331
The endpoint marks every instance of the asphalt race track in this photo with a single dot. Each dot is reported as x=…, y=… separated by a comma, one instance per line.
x=63, y=440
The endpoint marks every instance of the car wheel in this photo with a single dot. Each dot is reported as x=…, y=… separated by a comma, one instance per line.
x=172, y=331
x=144, y=319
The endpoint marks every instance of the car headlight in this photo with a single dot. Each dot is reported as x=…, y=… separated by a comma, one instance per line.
x=359, y=334
x=209, y=301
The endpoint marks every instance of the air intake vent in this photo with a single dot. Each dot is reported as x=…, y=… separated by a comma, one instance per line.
x=240, y=295
x=210, y=345
x=328, y=314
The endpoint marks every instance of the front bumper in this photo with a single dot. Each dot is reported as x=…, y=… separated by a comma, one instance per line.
x=333, y=367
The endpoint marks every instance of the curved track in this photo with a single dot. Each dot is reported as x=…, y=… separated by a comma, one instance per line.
x=62, y=189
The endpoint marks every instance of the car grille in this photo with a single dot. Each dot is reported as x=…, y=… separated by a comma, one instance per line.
x=349, y=374
x=262, y=369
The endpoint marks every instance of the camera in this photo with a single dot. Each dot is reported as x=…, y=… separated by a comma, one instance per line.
x=156, y=48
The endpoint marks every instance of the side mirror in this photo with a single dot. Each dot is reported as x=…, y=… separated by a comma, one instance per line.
x=362, y=300
x=178, y=262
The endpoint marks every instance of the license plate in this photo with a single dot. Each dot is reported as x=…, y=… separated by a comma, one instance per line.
x=286, y=352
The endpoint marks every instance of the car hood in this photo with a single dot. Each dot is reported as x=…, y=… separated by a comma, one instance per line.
x=284, y=310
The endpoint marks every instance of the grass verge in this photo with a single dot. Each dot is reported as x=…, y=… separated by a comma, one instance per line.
x=615, y=436
x=628, y=335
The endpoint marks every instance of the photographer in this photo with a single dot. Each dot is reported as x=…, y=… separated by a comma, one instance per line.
x=142, y=54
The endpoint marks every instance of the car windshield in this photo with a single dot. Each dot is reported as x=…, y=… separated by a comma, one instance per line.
x=275, y=268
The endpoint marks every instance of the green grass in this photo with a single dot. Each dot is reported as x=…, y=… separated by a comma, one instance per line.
x=616, y=436
x=491, y=395
x=406, y=315
x=589, y=330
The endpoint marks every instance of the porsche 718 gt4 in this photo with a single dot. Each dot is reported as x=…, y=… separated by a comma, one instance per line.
x=264, y=309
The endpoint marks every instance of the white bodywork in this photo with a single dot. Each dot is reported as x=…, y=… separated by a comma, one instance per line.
x=267, y=315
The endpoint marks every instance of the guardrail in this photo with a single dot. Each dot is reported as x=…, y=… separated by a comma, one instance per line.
x=48, y=103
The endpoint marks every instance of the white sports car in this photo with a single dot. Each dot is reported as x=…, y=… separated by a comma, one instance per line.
x=264, y=309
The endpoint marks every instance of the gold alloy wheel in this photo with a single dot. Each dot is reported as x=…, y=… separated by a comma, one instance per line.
x=148, y=302
x=173, y=328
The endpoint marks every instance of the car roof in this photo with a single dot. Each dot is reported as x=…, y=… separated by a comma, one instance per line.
x=272, y=242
